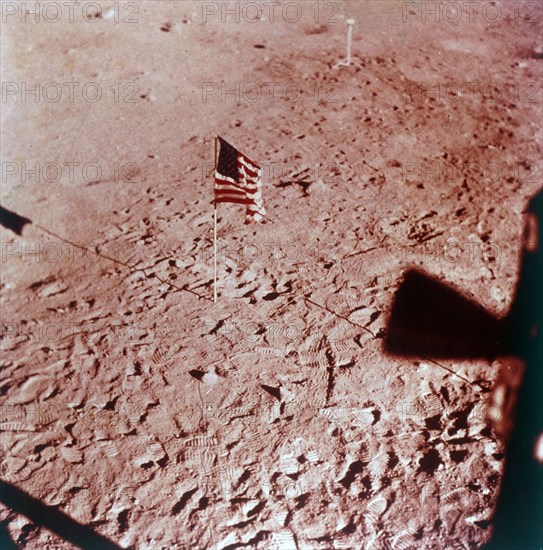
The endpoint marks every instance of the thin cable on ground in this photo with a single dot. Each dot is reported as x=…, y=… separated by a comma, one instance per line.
x=114, y=260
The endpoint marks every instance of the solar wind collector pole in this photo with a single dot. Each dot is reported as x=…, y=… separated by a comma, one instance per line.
x=347, y=62
x=350, y=23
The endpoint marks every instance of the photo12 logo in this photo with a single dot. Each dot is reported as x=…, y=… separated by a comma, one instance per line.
x=269, y=92
x=483, y=11
x=70, y=11
x=527, y=92
x=55, y=251
x=253, y=331
x=274, y=172
x=69, y=172
x=270, y=11
x=451, y=172
x=53, y=92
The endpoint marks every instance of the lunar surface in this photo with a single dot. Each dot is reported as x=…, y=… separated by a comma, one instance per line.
x=273, y=418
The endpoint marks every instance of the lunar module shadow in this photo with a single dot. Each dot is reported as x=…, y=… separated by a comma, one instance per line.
x=12, y=220
x=431, y=319
x=51, y=518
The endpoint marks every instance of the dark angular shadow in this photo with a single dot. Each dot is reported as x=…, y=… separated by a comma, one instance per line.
x=433, y=319
x=429, y=318
x=519, y=516
x=11, y=220
x=6, y=542
x=53, y=519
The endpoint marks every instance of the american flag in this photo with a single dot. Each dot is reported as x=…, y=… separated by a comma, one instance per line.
x=239, y=180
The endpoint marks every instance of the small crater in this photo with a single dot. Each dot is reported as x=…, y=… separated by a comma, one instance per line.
x=430, y=462
x=393, y=460
x=122, y=520
x=256, y=510
x=244, y=477
x=445, y=393
x=302, y=500
x=433, y=422
x=275, y=392
x=182, y=502
x=203, y=503
x=355, y=468
x=349, y=529
x=458, y=456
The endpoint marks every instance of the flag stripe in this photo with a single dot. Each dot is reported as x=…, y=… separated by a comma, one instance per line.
x=250, y=170
x=254, y=197
x=229, y=185
x=227, y=181
x=235, y=200
x=238, y=180
x=233, y=194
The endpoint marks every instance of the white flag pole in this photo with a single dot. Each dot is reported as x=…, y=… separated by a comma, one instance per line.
x=215, y=234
